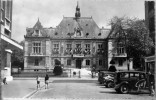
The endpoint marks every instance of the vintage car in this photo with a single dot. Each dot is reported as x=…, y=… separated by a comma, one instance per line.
x=107, y=78
x=126, y=81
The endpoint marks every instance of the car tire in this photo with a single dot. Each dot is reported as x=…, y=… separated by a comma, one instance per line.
x=110, y=84
x=124, y=89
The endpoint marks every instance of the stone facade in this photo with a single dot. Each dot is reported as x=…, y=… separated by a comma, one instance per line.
x=7, y=44
x=77, y=42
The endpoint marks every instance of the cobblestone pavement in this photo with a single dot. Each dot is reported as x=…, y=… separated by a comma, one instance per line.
x=65, y=89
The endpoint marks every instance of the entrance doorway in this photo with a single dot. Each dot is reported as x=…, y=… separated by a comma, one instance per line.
x=78, y=63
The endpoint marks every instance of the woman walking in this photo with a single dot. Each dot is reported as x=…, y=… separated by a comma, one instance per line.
x=46, y=81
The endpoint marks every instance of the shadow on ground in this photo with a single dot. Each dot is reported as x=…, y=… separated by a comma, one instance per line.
x=74, y=81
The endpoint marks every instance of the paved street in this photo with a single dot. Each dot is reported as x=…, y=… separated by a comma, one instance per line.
x=65, y=89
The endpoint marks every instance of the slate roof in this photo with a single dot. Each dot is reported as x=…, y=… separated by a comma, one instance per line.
x=86, y=24
x=68, y=25
x=37, y=26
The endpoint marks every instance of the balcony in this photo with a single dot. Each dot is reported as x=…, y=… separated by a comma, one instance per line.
x=100, y=51
x=67, y=52
x=55, y=52
x=78, y=51
x=36, y=54
x=120, y=54
x=87, y=52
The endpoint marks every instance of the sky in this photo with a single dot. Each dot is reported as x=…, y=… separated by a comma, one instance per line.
x=51, y=12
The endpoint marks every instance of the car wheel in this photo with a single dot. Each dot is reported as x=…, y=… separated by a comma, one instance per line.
x=124, y=89
x=110, y=84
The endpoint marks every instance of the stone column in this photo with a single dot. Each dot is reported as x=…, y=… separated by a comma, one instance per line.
x=8, y=65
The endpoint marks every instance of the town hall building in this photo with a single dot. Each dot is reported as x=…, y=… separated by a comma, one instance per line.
x=77, y=42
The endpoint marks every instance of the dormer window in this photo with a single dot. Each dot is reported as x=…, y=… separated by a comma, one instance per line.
x=56, y=33
x=99, y=34
x=37, y=32
x=87, y=34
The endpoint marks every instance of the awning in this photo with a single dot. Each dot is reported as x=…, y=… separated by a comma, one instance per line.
x=150, y=59
x=11, y=41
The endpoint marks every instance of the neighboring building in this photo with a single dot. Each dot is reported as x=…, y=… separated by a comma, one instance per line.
x=118, y=56
x=7, y=44
x=77, y=42
x=150, y=20
x=150, y=17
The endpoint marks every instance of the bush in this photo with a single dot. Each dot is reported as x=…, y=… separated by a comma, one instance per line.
x=57, y=70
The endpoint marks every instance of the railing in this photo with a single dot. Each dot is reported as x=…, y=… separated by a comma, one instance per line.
x=120, y=54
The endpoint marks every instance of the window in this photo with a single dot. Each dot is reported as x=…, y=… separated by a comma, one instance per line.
x=87, y=34
x=69, y=47
x=56, y=48
x=56, y=33
x=120, y=62
x=87, y=62
x=99, y=46
x=78, y=32
x=100, y=62
x=8, y=9
x=87, y=48
x=37, y=47
x=36, y=62
x=99, y=34
x=120, y=49
x=68, y=62
x=78, y=45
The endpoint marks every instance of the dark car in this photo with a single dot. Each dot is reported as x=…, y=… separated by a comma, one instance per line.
x=107, y=78
x=125, y=81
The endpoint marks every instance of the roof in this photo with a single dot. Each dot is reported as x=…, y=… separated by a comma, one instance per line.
x=131, y=71
x=68, y=27
x=31, y=32
x=87, y=25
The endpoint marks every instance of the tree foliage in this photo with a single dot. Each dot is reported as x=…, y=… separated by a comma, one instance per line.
x=133, y=33
x=17, y=58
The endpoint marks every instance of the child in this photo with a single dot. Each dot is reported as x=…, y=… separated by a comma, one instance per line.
x=4, y=81
x=38, y=82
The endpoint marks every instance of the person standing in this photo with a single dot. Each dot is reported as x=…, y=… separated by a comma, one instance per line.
x=38, y=82
x=5, y=81
x=112, y=68
x=151, y=84
x=46, y=81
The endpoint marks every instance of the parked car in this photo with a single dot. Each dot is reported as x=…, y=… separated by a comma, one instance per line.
x=107, y=78
x=125, y=81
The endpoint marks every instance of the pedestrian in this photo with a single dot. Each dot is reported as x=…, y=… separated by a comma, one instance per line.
x=38, y=82
x=46, y=81
x=151, y=83
x=5, y=81
x=112, y=68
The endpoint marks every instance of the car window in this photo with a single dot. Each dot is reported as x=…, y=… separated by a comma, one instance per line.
x=142, y=76
x=134, y=75
x=124, y=75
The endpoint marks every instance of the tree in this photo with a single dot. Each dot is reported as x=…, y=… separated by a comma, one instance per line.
x=134, y=35
x=17, y=57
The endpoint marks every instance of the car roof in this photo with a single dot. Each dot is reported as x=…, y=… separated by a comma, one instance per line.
x=107, y=72
x=131, y=71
